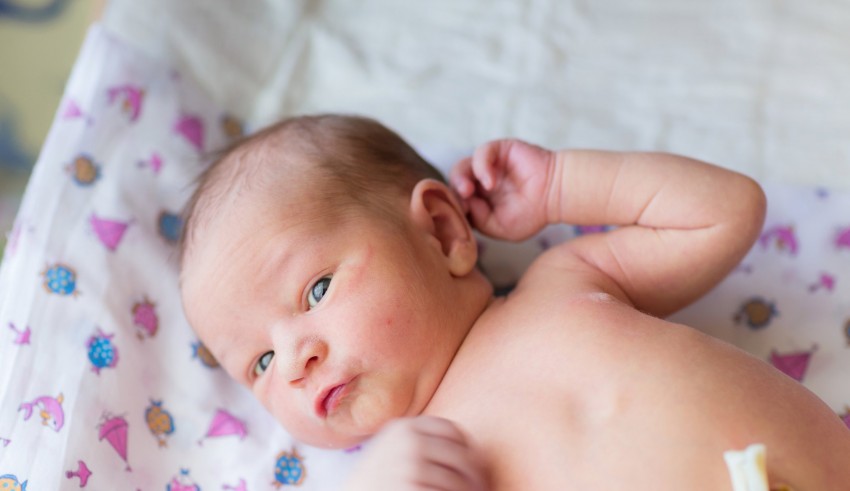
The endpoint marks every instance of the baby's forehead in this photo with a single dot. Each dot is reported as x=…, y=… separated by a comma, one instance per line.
x=261, y=170
x=259, y=184
x=289, y=169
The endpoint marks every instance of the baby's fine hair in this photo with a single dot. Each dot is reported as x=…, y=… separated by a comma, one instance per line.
x=361, y=161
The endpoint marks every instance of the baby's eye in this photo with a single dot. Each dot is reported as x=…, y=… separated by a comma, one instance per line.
x=314, y=296
x=264, y=362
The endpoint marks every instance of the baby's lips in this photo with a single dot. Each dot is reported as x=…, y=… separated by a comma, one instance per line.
x=329, y=398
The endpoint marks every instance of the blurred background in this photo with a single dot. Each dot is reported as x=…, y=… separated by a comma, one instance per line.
x=39, y=41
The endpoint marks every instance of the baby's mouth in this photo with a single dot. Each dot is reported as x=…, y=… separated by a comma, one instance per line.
x=330, y=399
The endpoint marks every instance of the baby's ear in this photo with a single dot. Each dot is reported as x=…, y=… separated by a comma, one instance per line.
x=435, y=210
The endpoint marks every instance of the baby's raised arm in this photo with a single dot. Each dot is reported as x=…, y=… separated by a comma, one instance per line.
x=682, y=224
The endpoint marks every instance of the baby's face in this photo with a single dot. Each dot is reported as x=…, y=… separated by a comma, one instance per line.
x=336, y=326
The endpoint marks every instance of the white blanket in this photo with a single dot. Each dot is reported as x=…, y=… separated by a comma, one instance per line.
x=755, y=85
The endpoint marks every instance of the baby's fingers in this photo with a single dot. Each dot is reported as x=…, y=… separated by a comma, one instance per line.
x=484, y=162
x=479, y=212
x=451, y=466
x=461, y=178
x=454, y=466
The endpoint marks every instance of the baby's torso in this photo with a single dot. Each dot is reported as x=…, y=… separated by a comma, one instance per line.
x=592, y=394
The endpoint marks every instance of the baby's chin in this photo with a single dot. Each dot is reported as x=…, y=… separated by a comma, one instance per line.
x=333, y=440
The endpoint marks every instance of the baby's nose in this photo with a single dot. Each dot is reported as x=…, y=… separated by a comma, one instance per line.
x=309, y=353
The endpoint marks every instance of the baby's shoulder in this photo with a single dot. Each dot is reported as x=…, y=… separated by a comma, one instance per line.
x=558, y=320
x=559, y=274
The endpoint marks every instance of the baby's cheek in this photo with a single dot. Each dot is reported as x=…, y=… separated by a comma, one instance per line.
x=379, y=400
x=369, y=412
x=301, y=427
x=285, y=413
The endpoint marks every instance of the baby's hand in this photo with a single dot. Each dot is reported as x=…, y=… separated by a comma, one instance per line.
x=504, y=188
x=418, y=454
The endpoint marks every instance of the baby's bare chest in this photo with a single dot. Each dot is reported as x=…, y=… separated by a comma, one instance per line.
x=561, y=399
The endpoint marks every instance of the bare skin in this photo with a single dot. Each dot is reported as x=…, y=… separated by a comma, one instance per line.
x=571, y=382
x=591, y=394
x=616, y=395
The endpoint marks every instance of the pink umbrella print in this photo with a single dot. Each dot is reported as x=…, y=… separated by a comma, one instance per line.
x=82, y=472
x=225, y=424
x=793, y=364
x=110, y=232
x=115, y=431
x=192, y=129
x=22, y=337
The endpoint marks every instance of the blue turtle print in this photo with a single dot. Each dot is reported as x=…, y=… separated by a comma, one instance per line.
x=60, y=279
x=289, y=470
x=102, y=353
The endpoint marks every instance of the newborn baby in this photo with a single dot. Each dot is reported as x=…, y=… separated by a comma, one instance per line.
x=332, y=271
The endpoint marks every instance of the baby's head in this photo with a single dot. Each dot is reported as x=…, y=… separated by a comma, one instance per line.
x=329, y=269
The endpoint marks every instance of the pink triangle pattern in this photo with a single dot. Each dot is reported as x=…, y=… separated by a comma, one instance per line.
x=110, y=232
x=794, y=364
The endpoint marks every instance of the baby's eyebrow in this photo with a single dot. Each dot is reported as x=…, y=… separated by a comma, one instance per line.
x=229, y=353
x=228, y=362
x=274, y=266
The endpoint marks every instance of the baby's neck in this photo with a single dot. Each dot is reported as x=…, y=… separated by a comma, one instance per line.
x=484, y=303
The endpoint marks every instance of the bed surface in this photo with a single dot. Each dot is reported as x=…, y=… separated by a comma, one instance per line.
x=755, y=85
